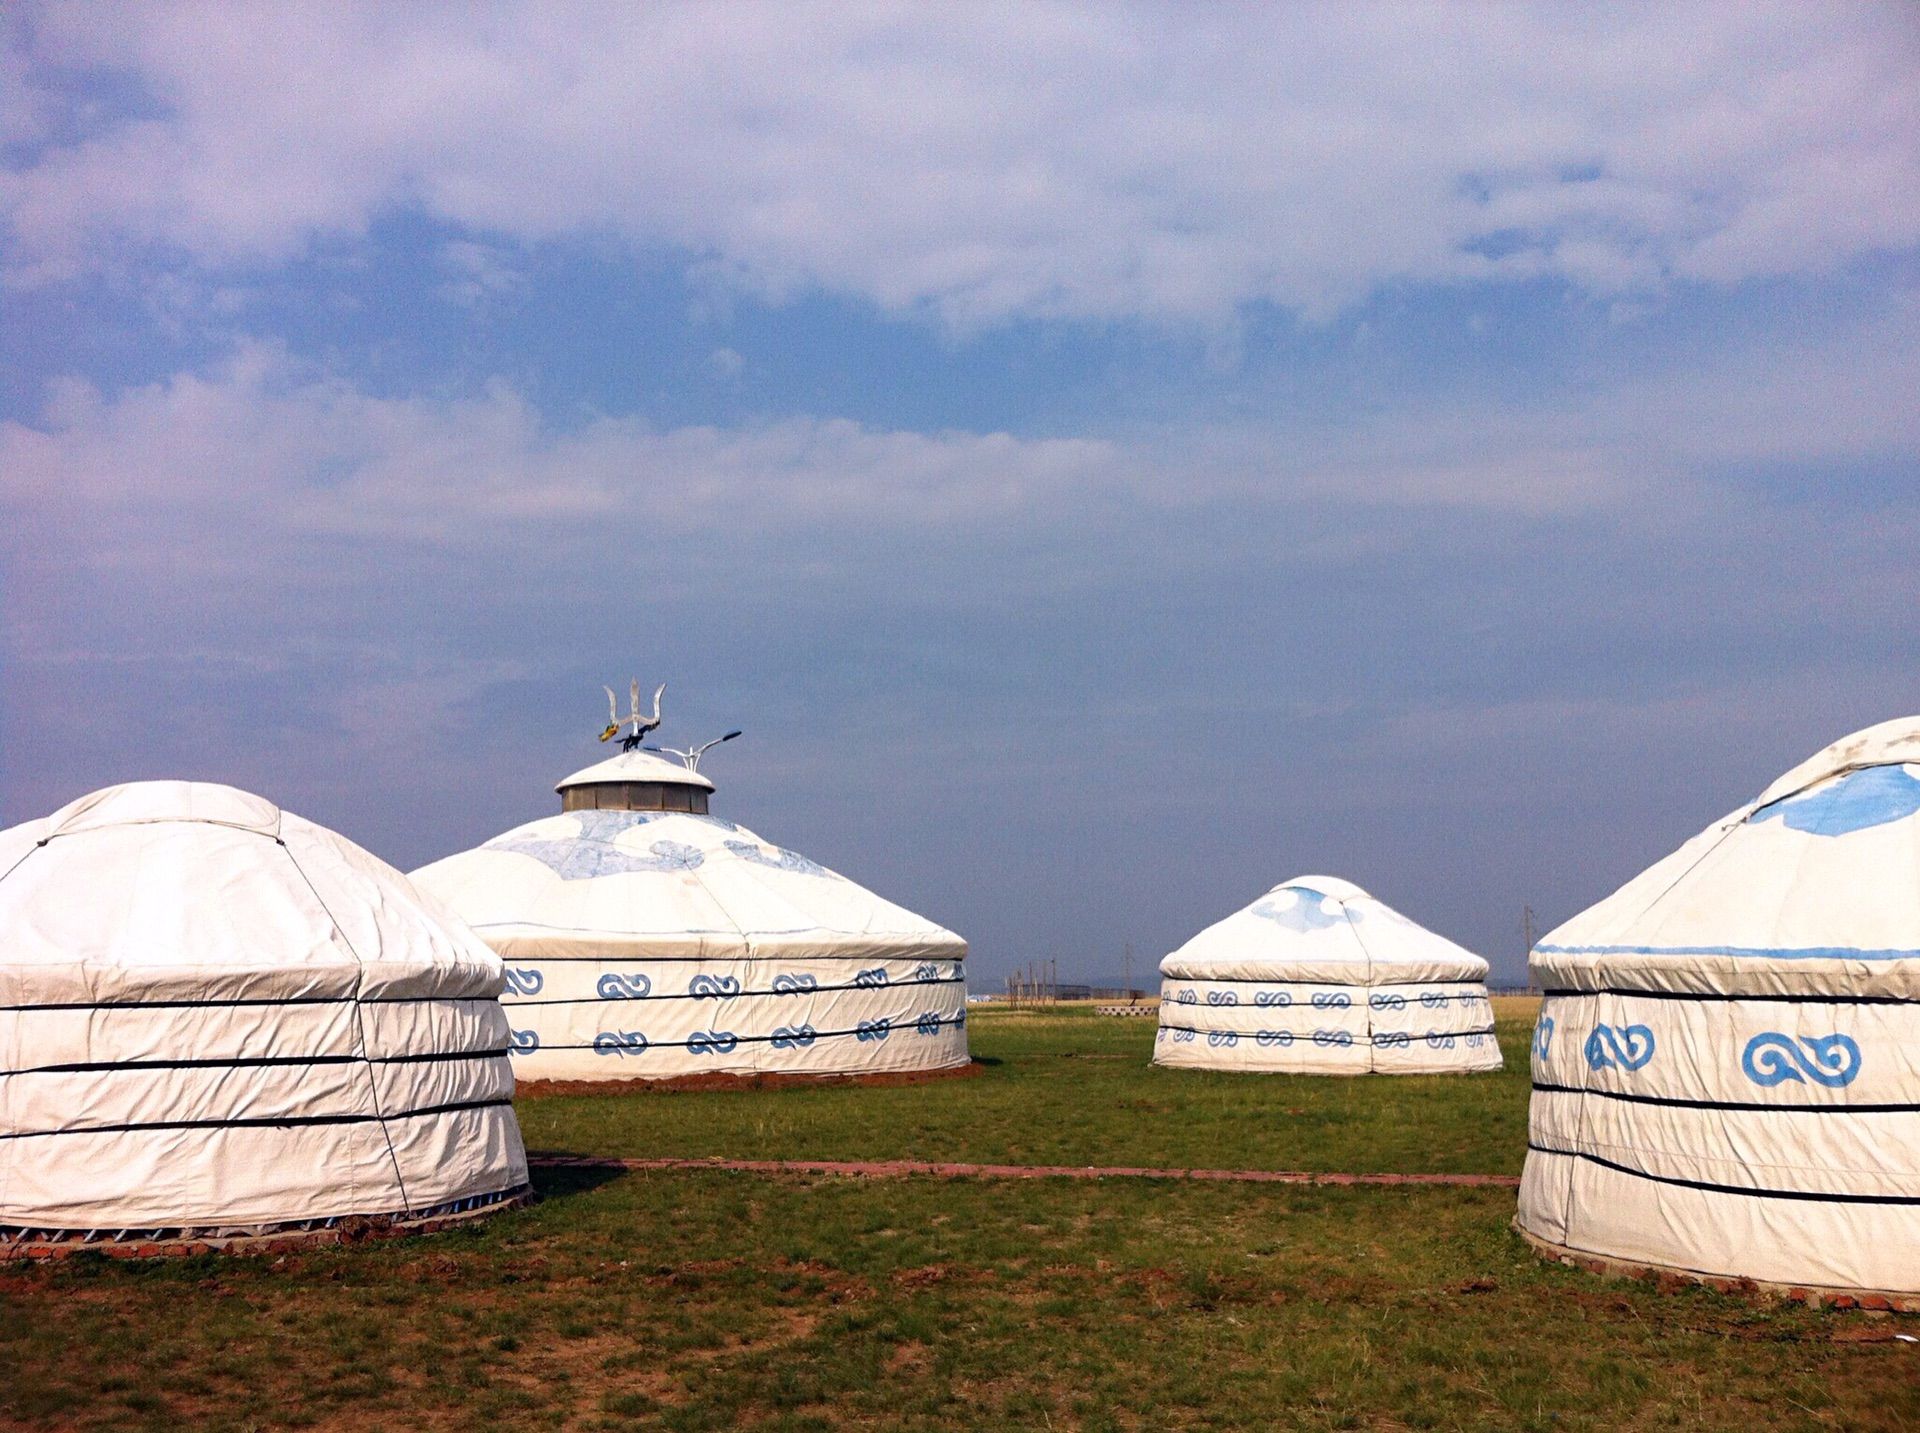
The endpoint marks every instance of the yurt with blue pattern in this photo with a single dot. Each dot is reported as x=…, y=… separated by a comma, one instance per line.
x=1318, y=977
x=646, y=939
x=1726, y=1066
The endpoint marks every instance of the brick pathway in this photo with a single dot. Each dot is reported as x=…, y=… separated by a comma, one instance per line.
x=896, y=1168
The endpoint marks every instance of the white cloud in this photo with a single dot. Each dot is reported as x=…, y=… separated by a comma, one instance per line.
x=1013, y=161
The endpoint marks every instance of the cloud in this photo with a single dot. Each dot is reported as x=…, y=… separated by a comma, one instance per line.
x=992, y=164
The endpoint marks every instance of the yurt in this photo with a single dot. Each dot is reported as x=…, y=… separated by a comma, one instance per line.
x=1318, y=977
x=1726, y=1068
x=647, y=939
x=222, y=1021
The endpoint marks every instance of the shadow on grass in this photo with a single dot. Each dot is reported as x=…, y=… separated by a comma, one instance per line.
x=555, y=1183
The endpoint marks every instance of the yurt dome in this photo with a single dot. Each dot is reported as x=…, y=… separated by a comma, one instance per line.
x=1318, y=977
x=1726, y=1067
x=221, y=1020
x=645, y=938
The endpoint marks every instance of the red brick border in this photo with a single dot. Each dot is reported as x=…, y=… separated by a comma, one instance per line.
x=899, y=1168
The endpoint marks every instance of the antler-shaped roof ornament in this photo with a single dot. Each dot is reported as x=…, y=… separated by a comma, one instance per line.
x=641, y=722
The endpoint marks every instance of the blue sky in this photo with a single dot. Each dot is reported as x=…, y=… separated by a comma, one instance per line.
x=1109, y=461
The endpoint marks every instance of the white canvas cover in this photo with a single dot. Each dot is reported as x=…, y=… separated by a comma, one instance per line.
x=659, y=944
x=1726, y=1066
x=1318, y=977
x=215, y=1014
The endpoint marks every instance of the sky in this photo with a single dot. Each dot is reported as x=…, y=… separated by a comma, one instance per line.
x=1109, y=459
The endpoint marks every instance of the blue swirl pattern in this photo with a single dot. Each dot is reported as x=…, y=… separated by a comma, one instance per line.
x=929, y=1022
x=712, y=1042
x=1268, y=1039
x=1218, y=1038
x=709, y=987
x=612, y=986
x=1772, y=1058
x=1222, y=997
x=620, y=1043
x=794, y=984
x=1543, y=1037
x=1333, y=1039
x=869, y=1030
x=1387, y=1000
x=871, y=979
x=1331, y=1000
x=792, y=1037
x=1267, y=999
x=1393, y=1039
x=1625, y=1047
x=524, y=980
x=523, y=1042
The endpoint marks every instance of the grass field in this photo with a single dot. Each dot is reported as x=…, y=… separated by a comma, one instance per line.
x=708, y=1300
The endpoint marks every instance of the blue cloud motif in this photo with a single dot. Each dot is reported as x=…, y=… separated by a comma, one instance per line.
x=792, y=1037
x=706, y=987
x=776, y=858
x=1222, y=997
x=1874, y=796
x=1389, y=1001
x=1330, y=1039
x=1228, y=1038
x=1543, y=1037
x=524, y=980
x=1439, y=1040
x=929, y=1023
x=1270, y=1038
x=1432, y=999
x=712, y=1042
x=1393, y=1039
x=1625, y=1047
x=612, y=986
x=593, y=852
x=784, y=984
x=620, y=1042
x=1306, y=912
x=1185, y=997
x=1331, y=1000
x=871, y=1030
x=1268, y=998
x=523, y=1042
x=871, y=979
x=1183, y=1037
x=1830, y=1060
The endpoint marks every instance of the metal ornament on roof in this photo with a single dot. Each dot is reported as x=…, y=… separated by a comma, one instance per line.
x=641, y=723
x=690, y=756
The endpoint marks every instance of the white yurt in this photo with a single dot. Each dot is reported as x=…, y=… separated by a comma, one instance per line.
x=1318, y=977
x=647, y=939
x=1726, y=1068
x=220, y=1020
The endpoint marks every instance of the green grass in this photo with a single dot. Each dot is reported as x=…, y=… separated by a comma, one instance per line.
x=708, y=1300
x=1075, y=1088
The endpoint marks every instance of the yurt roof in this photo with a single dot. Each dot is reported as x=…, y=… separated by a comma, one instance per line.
x=1320, y=928
x=1813, y=886
x=206, y=891
x=636, y=766
x=668, y=884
